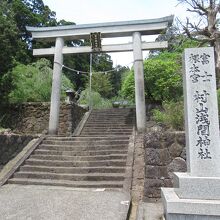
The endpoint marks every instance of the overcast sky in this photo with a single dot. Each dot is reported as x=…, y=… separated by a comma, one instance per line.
x=98, y=11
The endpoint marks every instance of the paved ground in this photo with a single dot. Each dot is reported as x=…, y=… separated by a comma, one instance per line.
x=150, y=211
x=59, y=203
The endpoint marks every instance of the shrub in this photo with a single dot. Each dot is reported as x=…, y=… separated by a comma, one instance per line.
x=97, y=101
x=32, y=83
x=172, y=115
x=218, y=96
x=101, y=84
x=163, y=80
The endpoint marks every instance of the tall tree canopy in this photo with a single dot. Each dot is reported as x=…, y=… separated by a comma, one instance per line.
x=16, y=43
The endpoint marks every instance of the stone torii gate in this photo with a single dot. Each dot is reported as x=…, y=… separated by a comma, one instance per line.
x=108, y=30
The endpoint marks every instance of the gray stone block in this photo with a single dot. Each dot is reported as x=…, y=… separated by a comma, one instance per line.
x=174, y=207
x=197, y=187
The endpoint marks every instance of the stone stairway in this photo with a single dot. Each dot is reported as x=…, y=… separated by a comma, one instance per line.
x=99, y=158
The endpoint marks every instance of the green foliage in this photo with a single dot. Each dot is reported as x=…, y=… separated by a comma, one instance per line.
x=116, y=78
x=128, y=88
x=172, y=115
x=218, y=96
x=16, y=44
x=97, y=101
x=32, y=83
x=101, y=84
x=163, y=79
x=162, y=76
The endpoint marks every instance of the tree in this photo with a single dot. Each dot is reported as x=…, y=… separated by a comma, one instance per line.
x=32, y=83
x=15, y=41
x=31, y=13
x=116, y=78
x=163, y=80
x=101, y=84
x=11, y=47
x=206, y=28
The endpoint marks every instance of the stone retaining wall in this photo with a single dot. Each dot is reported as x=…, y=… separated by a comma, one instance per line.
x=33, y=118
x=164, y=154
x=11, y=145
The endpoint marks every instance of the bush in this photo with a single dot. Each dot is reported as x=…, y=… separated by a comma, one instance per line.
x=97, y=101
x=32, y=83
x=101, y=84
x=218, y=96
x=172, y=115
x=163, y=80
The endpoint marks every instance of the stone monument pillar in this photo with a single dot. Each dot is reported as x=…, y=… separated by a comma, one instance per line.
x=196, y=194
x=56, y=87
x=139, y=82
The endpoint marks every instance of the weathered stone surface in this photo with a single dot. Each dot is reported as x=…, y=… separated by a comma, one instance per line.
x=180, y=138
x=138, y=169
x=183, y=154
x=175, y=150
x=152, y=157
x=152, y=192
x=152, y=172
x=157, y=156
x=153, y=140
x=33, y=118
x=177, y=165
x=164, y=157
x=169, y=139
x=170, y=154
x=11, y=145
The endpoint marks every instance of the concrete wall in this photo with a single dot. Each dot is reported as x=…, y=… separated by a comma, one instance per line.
x=33, y=118
x=164, y=154
x=11, y=145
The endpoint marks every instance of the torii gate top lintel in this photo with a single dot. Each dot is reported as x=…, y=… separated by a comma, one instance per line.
x=109, y=29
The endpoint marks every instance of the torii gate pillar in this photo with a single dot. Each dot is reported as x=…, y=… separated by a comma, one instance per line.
x=108, y=30
x=56, y=87
x=139, y=82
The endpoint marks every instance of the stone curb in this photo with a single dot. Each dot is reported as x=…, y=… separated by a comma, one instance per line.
x=129, y=163
x=81, y=124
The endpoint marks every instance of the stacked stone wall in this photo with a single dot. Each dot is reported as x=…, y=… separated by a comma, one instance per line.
x=164, y=154
x=11, y=145
x=33, y=118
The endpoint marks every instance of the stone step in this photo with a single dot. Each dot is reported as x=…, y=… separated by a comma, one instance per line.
x=113, y=109
x=71, y=177
x=112, y=117
x=60, y=163
x=79, y=153
x=110, y=122
x=78, y=158
x=107, y=133
x=120, y=111
x=73, y=170
x=86, y=143
x=107, y=129
x=84, y=147
x=103, y=125
x=76, y=139
x=126, y=112
x=106, y=125
x=66, y=183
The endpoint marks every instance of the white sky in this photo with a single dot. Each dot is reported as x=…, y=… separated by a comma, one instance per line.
x=98, y=11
